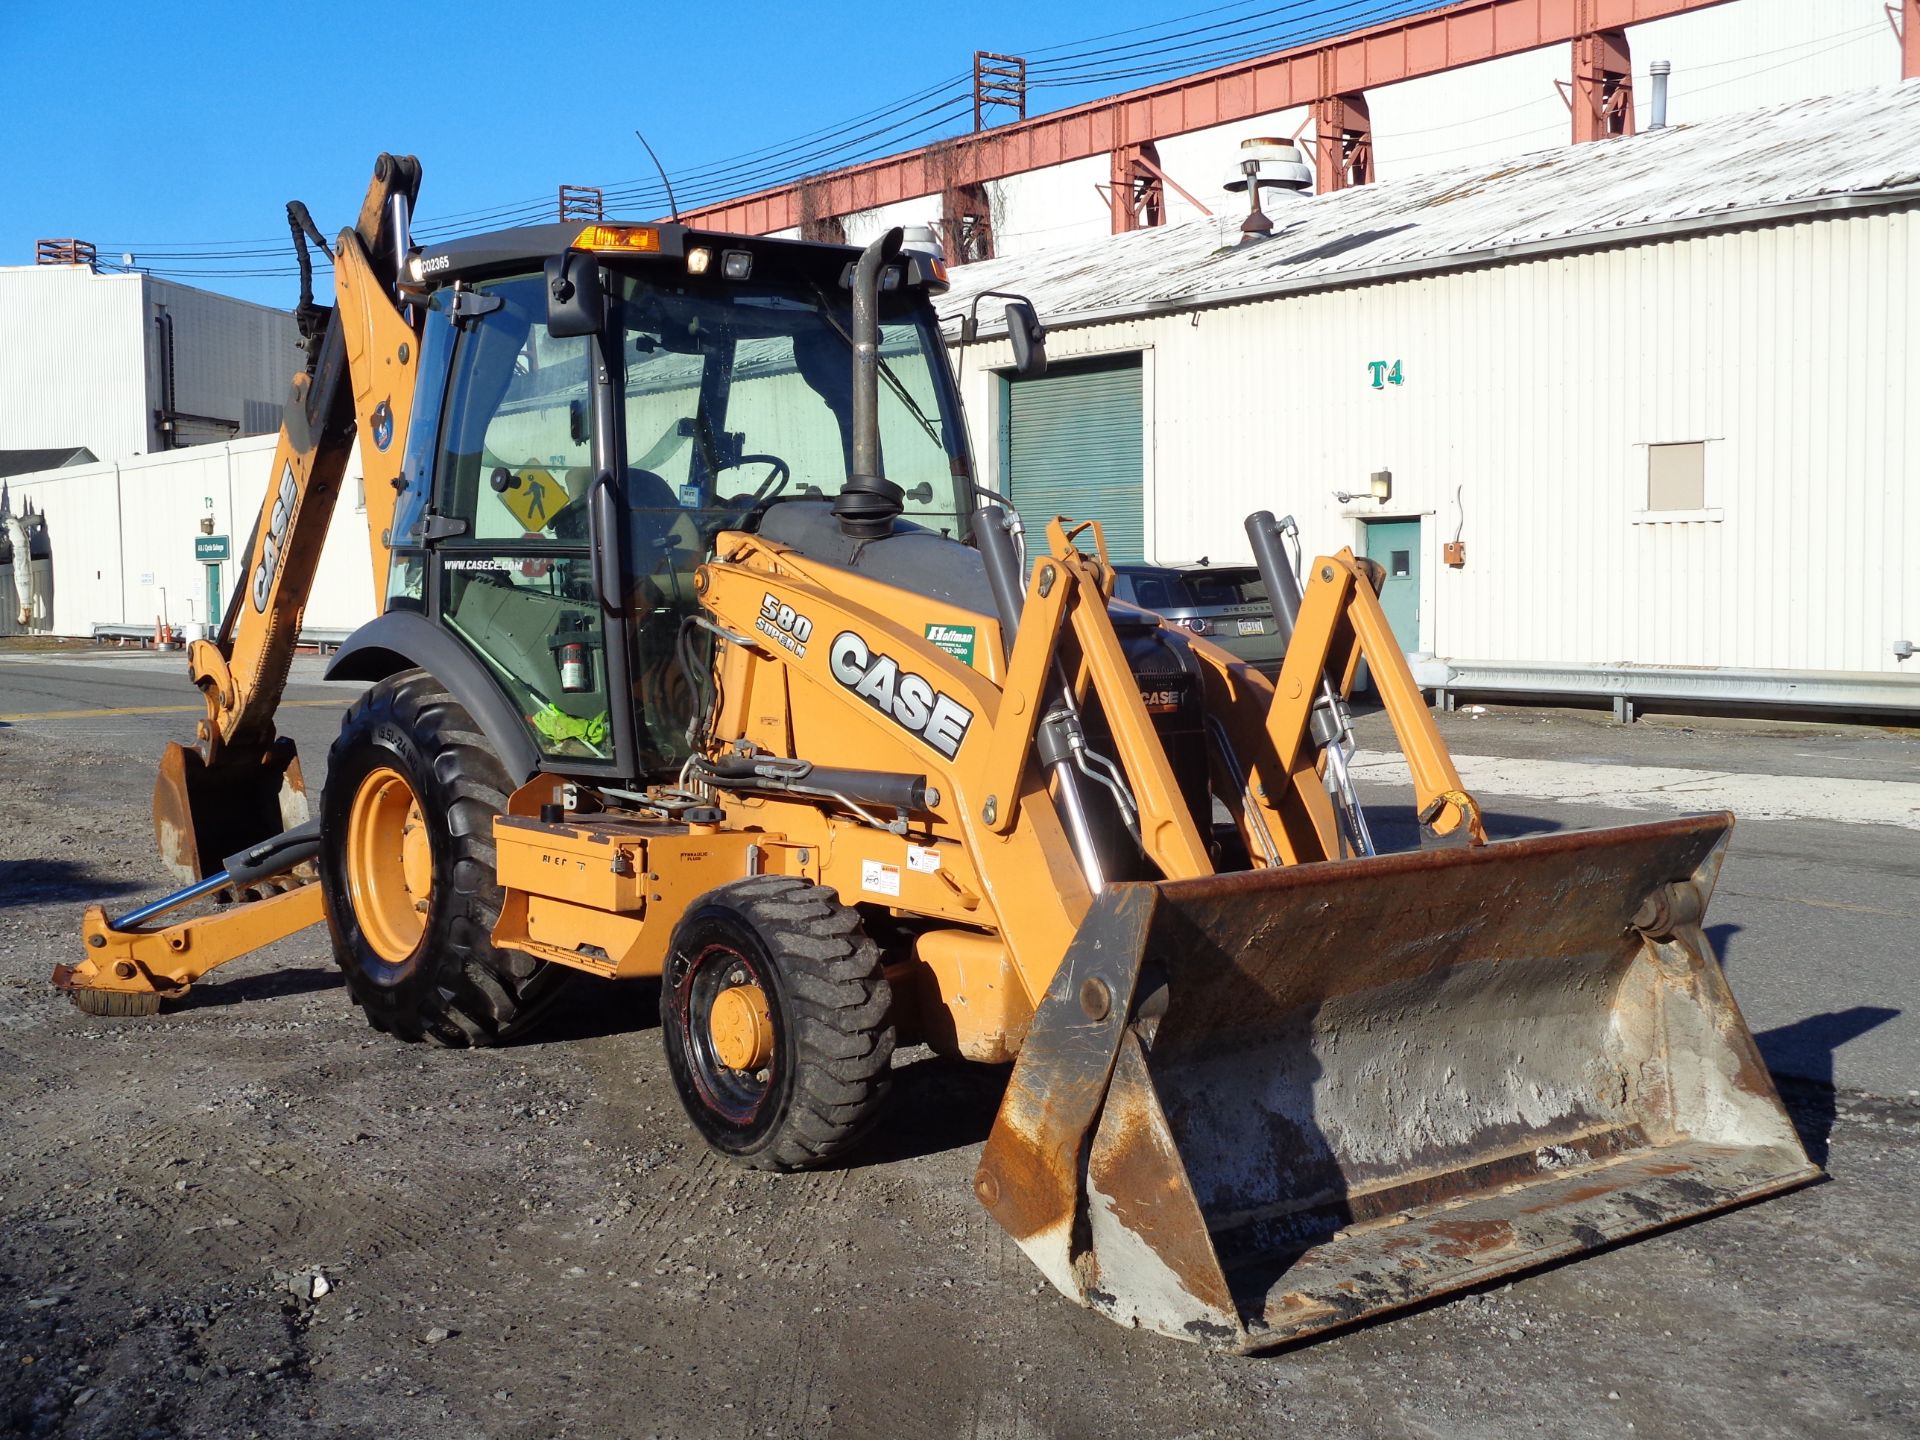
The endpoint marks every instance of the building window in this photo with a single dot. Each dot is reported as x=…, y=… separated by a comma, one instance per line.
x=1677, y=477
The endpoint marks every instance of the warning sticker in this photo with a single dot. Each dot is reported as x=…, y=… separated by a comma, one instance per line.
x=956, y=640
x=923, y=859
x=879, y=878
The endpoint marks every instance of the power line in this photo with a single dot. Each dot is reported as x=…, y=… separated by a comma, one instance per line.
x=752, y=169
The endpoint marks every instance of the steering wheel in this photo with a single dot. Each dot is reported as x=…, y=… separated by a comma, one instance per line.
x=775, y=482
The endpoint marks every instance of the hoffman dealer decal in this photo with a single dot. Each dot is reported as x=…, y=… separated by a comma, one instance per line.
x=909, y=700
x=956, y=640
x=783, y=625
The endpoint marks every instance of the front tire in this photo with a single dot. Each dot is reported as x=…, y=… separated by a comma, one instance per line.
x=774, y=1010
x=407, y=862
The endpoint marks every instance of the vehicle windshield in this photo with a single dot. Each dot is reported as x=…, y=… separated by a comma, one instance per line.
x=738, y=394
x=1197, y=589
x=1226, y=587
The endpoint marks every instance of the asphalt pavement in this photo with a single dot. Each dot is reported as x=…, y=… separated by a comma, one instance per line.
x=1817, y=917
x=251, y=1215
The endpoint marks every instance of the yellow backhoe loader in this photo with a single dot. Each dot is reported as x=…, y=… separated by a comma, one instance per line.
x=702, y=656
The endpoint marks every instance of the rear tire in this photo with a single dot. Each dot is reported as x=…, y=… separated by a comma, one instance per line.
x=407, y=862
x=814, y=1042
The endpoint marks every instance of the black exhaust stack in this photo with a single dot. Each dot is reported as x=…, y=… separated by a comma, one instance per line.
x=869, y=503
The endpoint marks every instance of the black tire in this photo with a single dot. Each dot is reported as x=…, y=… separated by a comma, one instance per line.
x=454, y=987
x=828, y=1003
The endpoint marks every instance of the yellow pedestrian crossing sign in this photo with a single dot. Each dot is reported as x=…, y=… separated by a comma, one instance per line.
x=535, y=499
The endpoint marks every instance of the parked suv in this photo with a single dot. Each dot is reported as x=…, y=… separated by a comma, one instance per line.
x=1226, y=603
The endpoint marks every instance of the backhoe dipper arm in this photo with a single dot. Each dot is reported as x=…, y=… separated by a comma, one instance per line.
x=242, y=784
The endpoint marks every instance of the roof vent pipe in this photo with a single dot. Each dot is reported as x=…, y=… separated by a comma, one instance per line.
x=1659, y=70
x=1266, y=165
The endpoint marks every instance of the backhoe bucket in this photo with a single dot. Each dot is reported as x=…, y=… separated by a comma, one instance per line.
x=202, y=813
x=1260, y=1105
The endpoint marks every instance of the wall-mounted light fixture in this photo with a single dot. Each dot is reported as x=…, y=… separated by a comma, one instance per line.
x=1379, y=487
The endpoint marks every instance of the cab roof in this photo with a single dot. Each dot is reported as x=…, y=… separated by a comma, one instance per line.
x=526, y=247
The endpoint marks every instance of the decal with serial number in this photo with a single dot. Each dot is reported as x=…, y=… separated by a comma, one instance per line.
x=908, y=699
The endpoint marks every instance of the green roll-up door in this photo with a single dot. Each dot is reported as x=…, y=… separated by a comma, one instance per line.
x=1073, y=446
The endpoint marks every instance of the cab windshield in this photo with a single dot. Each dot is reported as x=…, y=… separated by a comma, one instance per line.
x=740, y=394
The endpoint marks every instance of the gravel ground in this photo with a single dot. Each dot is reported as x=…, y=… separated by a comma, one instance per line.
x=255, y=1216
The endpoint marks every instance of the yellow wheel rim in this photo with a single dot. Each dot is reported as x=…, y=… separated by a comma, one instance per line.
x=742, y=1028
x=389, y=865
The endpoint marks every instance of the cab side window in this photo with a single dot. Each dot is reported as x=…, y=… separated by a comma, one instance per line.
x=514, y=464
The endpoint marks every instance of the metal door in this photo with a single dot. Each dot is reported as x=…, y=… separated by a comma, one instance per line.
x=1396, y=545
x=214, y=611
x=1073, y=444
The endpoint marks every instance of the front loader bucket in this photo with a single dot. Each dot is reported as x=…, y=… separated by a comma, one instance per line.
x=1260, y=1105
x=203, y=813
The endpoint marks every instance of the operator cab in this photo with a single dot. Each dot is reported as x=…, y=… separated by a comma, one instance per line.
x=594, y=407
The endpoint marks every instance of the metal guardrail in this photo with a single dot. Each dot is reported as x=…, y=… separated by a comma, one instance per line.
x=1631, y=686
x=323, y=641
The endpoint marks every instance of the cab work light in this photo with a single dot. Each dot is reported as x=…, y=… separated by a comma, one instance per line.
x=618, y=237
x=891, y=278
x=736, y=264
x=698, y=259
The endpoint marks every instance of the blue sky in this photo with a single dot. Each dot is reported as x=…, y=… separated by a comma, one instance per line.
x=179, y=131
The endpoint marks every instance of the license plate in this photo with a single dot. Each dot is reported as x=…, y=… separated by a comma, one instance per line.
x=1253, y=627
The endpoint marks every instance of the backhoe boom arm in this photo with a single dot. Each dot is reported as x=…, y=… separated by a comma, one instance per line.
x=242, y=783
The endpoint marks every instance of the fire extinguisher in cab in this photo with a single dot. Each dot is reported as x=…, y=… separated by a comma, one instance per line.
x=573, y=655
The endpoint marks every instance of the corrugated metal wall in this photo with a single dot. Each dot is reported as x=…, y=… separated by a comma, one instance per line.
x=122, y=533
x=233, y=359
x=72, y=364
x=1530, y=392
x=80, y=360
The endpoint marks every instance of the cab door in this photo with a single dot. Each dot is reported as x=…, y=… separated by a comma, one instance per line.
x=510, y=559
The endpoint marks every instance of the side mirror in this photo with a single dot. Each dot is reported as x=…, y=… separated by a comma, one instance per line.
x=1029, y=339
x=576, y=304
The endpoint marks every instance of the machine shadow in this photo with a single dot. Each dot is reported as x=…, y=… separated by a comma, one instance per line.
x=275, y=984
x=1396, y=828
x=1800, y=1056
x=937, y=1105
x=586, y=1008
x=51, y=882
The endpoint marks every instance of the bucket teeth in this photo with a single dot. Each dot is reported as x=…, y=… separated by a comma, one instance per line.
x=117, y=1002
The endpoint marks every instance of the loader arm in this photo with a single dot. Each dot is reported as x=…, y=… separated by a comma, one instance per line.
x=242, y=782
x=1340, y=623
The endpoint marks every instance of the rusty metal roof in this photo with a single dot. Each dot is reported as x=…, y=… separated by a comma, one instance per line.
x=1831, y=153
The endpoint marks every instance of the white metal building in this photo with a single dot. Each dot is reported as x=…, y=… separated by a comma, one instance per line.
x=1660, y=387
x=121, y=537
x=129, y=364
x=1725, y=60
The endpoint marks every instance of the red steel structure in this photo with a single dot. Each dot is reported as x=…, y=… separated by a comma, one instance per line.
x=1905, y=16
x=1330, y=75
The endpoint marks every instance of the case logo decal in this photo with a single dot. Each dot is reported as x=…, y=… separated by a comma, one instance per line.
x=284, y=504
x=909, y=700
